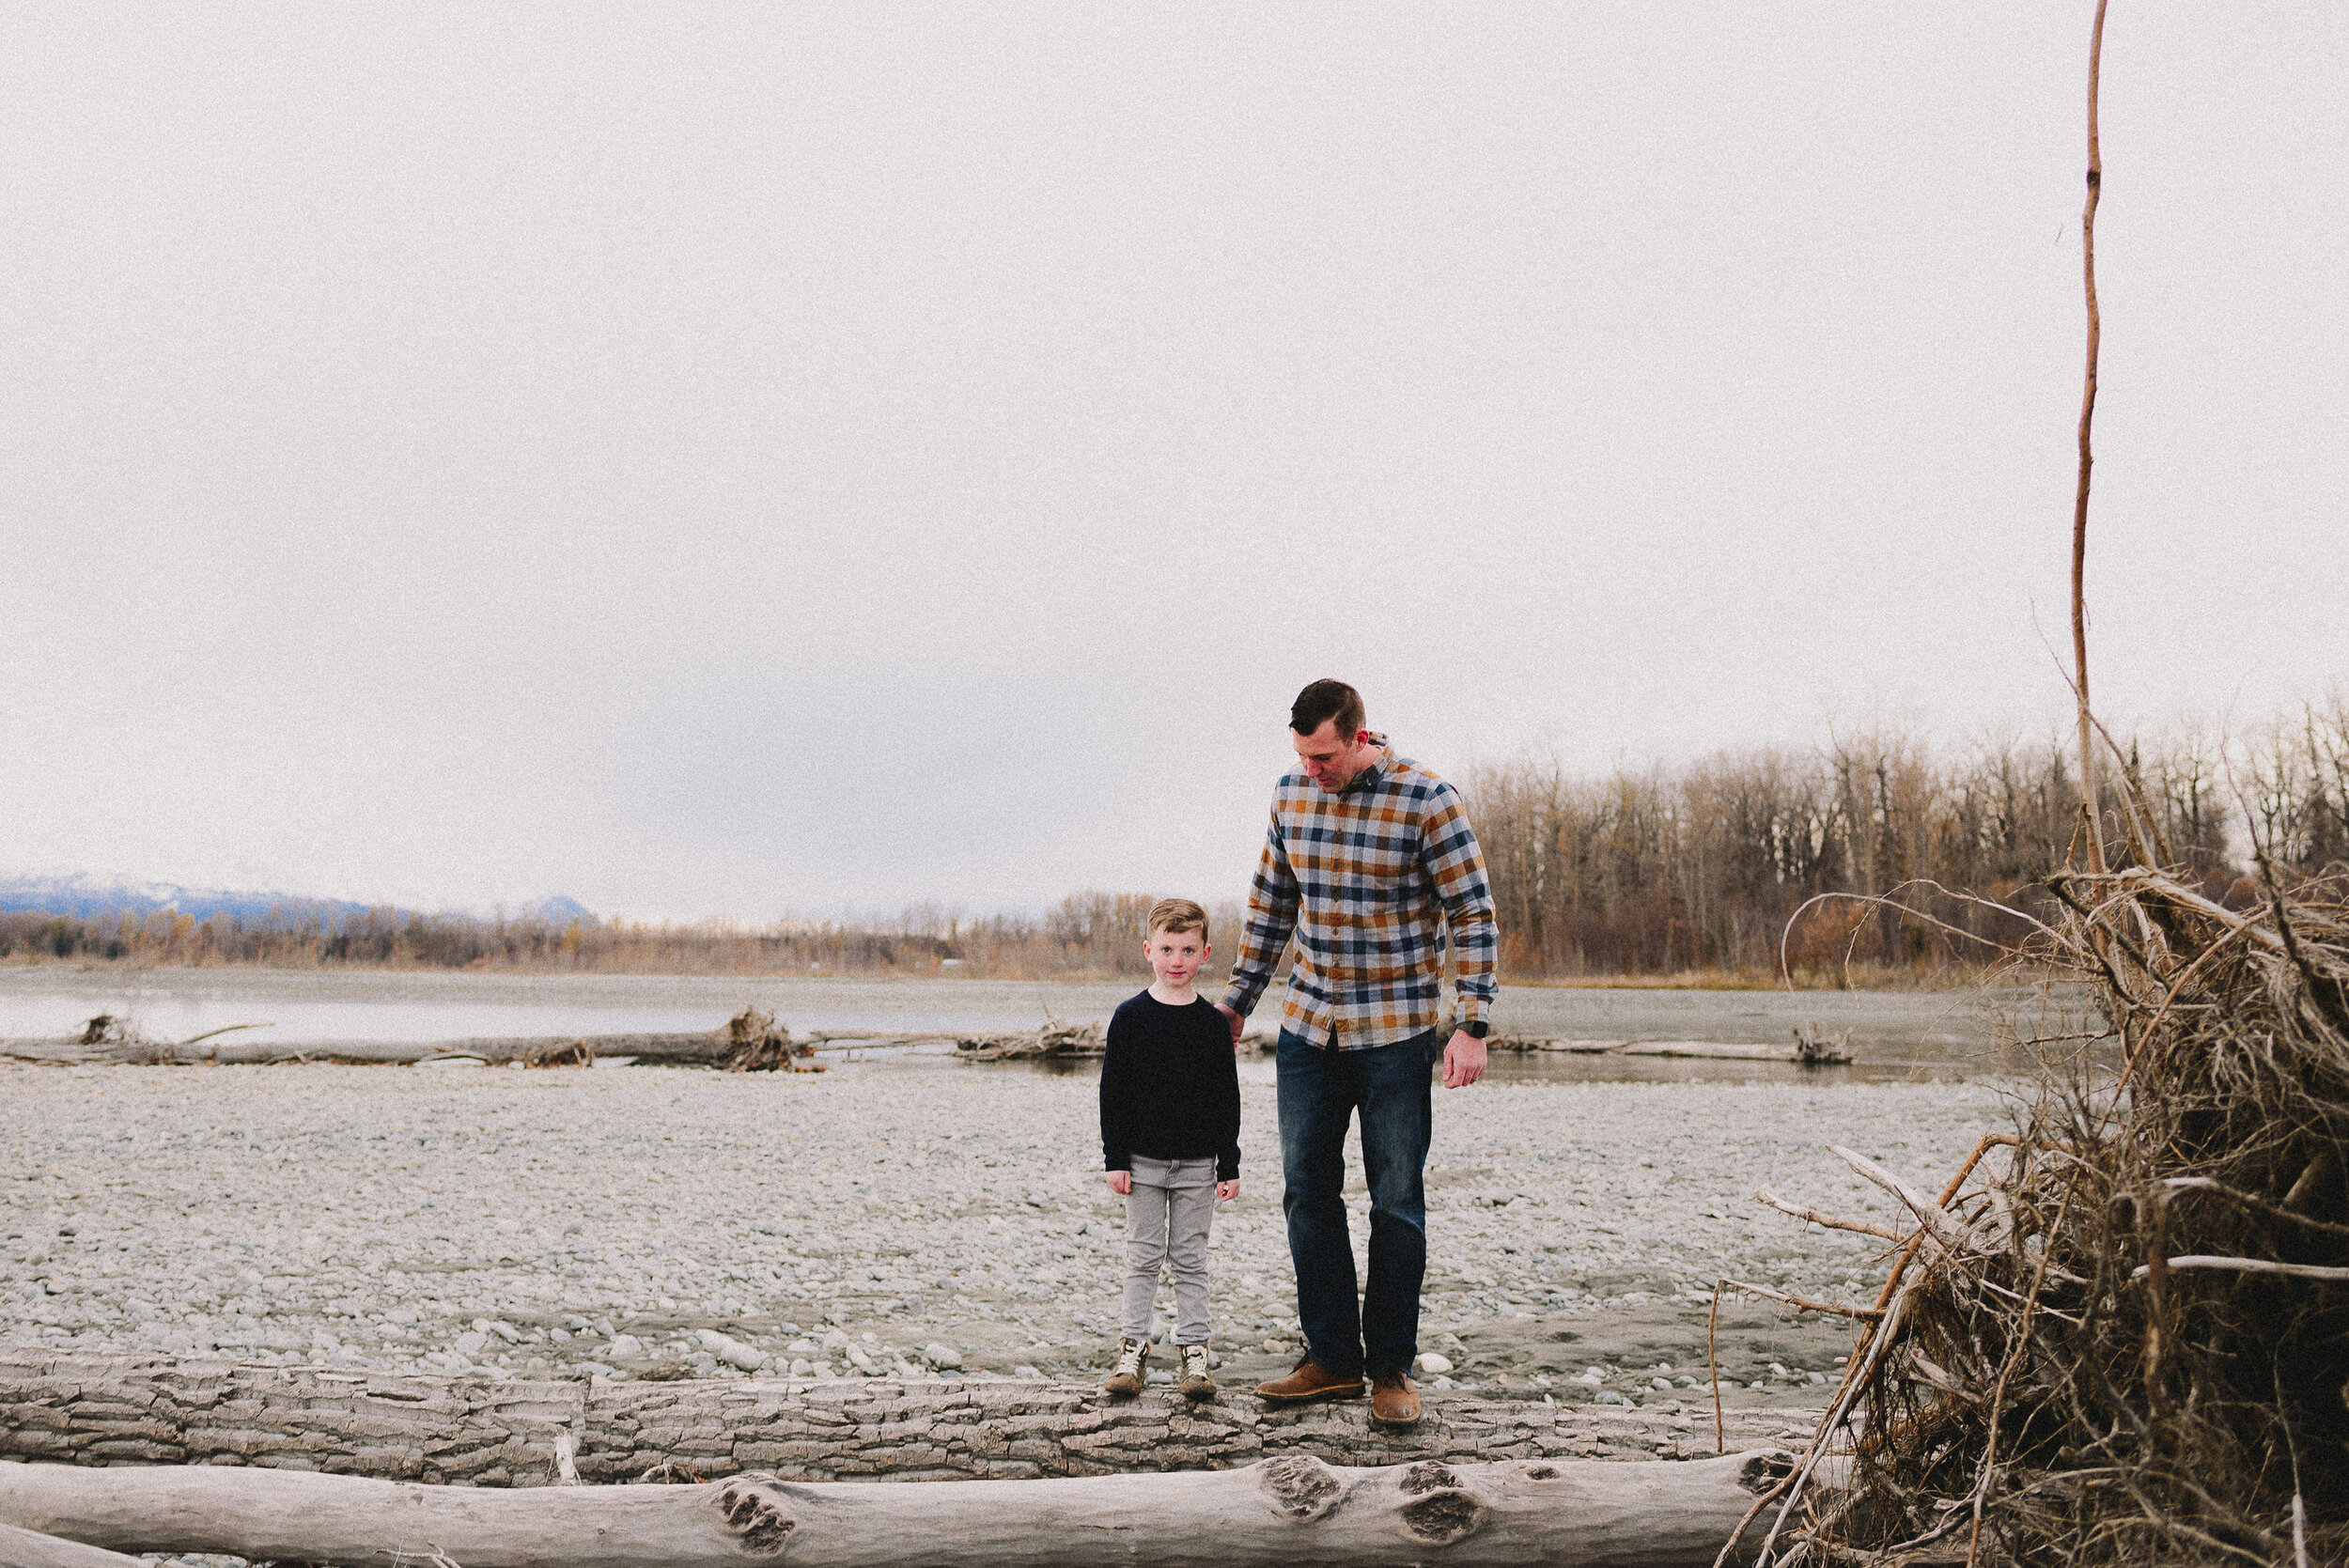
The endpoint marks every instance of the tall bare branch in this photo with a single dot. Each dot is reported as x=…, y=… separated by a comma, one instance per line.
x=2088, y=415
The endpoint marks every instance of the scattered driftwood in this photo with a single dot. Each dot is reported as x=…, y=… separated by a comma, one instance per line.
x=751, y=1042
x=1283, y=1511
x=262, y=1052
x=765, y=1047
x=92, y=1407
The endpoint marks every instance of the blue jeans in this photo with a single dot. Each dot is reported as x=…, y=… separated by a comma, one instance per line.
x=1320, y=1091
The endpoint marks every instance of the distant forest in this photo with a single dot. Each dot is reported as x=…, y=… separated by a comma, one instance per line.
x=1690, y=870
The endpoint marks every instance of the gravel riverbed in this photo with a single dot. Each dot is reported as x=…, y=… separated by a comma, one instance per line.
x=890, y=1220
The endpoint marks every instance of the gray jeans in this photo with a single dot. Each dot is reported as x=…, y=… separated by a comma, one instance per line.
x=1167, y=1216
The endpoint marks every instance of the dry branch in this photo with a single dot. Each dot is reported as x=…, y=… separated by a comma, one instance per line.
x=2088, y=415
x=2244, y=1266
x=1765, y=1196
x=1861, y=1314
x=1943, y=1227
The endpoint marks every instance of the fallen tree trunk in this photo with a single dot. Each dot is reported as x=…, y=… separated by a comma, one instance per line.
x=92, y=1407
x=1283, y=1511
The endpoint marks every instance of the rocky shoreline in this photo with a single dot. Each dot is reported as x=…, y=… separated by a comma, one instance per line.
x=899, y=1221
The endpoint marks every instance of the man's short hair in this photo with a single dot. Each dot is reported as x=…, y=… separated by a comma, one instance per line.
x=1177, y=916
x=1324, y=701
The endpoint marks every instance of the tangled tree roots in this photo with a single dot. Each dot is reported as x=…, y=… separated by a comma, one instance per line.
x=2124, y=1337
x=756, y=1044
x=572, y=1053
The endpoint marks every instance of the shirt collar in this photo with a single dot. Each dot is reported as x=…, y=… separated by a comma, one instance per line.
x=1377, y=771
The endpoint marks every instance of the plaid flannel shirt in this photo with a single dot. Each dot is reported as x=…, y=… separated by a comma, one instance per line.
x=1366, y=880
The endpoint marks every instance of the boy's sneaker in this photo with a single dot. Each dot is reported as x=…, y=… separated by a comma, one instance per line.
x=1195, y=1383
x=1126, y=1377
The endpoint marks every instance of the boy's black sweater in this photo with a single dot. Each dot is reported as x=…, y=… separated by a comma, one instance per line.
x=1170, y=1089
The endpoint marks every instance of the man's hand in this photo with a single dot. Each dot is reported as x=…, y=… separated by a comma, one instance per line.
x=1121, y=1182
x=1463, y=1060
x=1236, y=1022
x=1227, y=1190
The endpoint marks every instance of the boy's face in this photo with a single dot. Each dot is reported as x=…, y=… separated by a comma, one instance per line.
x=1176, y=955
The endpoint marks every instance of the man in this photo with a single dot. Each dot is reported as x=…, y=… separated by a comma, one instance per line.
x=1368, y=856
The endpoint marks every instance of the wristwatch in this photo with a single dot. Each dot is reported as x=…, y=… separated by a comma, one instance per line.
x=1475, y=1029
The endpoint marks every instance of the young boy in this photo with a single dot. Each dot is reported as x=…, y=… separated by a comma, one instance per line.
x=1170, y=1142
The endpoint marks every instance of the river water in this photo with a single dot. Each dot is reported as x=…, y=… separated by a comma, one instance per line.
x=1893, y=1034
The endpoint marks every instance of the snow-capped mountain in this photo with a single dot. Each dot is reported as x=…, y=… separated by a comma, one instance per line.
x=80, y=896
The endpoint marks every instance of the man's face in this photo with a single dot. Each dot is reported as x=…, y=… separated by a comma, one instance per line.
x=1176, y=955
x=1330, y=760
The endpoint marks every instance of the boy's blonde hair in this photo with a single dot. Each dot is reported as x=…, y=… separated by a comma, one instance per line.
x=1177, y=915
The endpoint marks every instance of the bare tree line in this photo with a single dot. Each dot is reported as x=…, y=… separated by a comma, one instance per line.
x=1086, y=935
x=1698, y=868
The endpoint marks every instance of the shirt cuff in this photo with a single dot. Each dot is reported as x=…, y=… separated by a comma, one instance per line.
x=1468, y=1010
x=1239, y=999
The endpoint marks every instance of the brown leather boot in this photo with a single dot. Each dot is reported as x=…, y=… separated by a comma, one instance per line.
x=1393, y=1400
x=1308, y=1381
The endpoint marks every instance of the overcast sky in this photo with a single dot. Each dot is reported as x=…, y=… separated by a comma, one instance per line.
x=740, y=459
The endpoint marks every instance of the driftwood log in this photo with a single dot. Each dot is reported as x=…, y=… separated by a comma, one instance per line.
x=1281, y=1510
x=1809, y=1050
x=101, y=1409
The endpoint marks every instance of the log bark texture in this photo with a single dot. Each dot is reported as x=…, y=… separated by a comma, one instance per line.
x=91, y=1407
x=1281, y=1510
